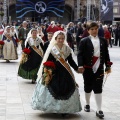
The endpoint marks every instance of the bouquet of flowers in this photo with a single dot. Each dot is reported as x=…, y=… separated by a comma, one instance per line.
x=109, y=63
x=1, y=44
x=25, y=55
x=48, y=69
x=26, y=51
x=108, y=68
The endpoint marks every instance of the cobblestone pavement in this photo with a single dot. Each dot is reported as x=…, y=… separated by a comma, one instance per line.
x=15, y=95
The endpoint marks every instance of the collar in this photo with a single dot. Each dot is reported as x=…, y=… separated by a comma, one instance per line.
x=96, y=37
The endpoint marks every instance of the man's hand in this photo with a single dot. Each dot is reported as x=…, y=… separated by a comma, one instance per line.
x=108, y=70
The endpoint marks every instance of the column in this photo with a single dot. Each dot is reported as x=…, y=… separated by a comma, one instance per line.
x=75, y=10
x=5, y=11
x=1, y=11
x=88, y=9
x=78, y=9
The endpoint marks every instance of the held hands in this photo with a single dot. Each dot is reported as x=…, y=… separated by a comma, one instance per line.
x=8, y=36
x=80, y=70
x=80, y=36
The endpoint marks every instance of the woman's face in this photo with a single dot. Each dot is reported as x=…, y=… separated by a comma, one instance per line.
x=8, y=30
x=34, y=34
x=12, y=28
x=71, y=24
x=60, y=39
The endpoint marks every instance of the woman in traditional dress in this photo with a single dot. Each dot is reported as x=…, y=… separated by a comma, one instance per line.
x=1, y=46
x=1, y=31
x=14, y=32
x=28, y=69
x=10, y=46
x=60, y=94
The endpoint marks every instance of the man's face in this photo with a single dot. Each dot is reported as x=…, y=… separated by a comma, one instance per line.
x=50, y=36
x=25, y=24
x=93, y=31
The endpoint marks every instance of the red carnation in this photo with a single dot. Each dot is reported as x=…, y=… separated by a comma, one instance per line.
x=26, y=50
x=17, y=40
x=109, y=63
x=49, y=64
x=1, y=42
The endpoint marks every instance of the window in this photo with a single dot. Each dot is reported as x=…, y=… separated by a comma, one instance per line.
x=115, y=10
x=115, y=3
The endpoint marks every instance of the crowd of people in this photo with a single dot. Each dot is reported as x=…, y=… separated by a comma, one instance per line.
x=46, y=59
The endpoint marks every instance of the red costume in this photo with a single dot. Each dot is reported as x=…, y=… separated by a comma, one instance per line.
x=52, y=29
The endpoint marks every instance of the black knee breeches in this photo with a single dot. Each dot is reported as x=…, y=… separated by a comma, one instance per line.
x=93, y=81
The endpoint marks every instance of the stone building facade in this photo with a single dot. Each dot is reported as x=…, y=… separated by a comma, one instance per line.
x=75, y=10
x=116, y=10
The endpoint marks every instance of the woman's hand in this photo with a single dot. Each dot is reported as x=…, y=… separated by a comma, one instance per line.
x=81, y=70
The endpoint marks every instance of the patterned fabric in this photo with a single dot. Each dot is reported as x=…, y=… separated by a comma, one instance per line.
x=9, y=51
x=29, y=69
x=28, y=74
x=61, y=94
x=1, y=53
x=64, y=52
x=36, y=42
x=43, y=100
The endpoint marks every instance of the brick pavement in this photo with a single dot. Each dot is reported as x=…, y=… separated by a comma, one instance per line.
x=15, y=95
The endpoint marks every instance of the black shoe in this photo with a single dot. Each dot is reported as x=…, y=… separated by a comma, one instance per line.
x=33, y=81
x=100, y=114
x=7, y=61
x=64, y=115
x=87, y=108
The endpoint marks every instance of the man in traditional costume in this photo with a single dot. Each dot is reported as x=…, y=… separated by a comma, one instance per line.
x=92, y=55
x=22, y=34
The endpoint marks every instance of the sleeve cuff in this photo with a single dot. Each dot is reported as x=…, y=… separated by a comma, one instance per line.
x=80, y=67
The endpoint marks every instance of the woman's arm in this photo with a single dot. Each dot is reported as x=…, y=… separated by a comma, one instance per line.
x=72, y=62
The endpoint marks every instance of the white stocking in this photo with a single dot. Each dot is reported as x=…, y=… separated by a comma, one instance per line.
x=98, y=99
x=87, y=98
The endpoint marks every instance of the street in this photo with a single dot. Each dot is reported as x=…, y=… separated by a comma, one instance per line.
x=16, y=93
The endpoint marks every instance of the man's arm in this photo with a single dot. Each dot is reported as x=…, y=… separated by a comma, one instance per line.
x=80, y=53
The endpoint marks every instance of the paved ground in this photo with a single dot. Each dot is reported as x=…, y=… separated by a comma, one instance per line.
x=15, y=95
